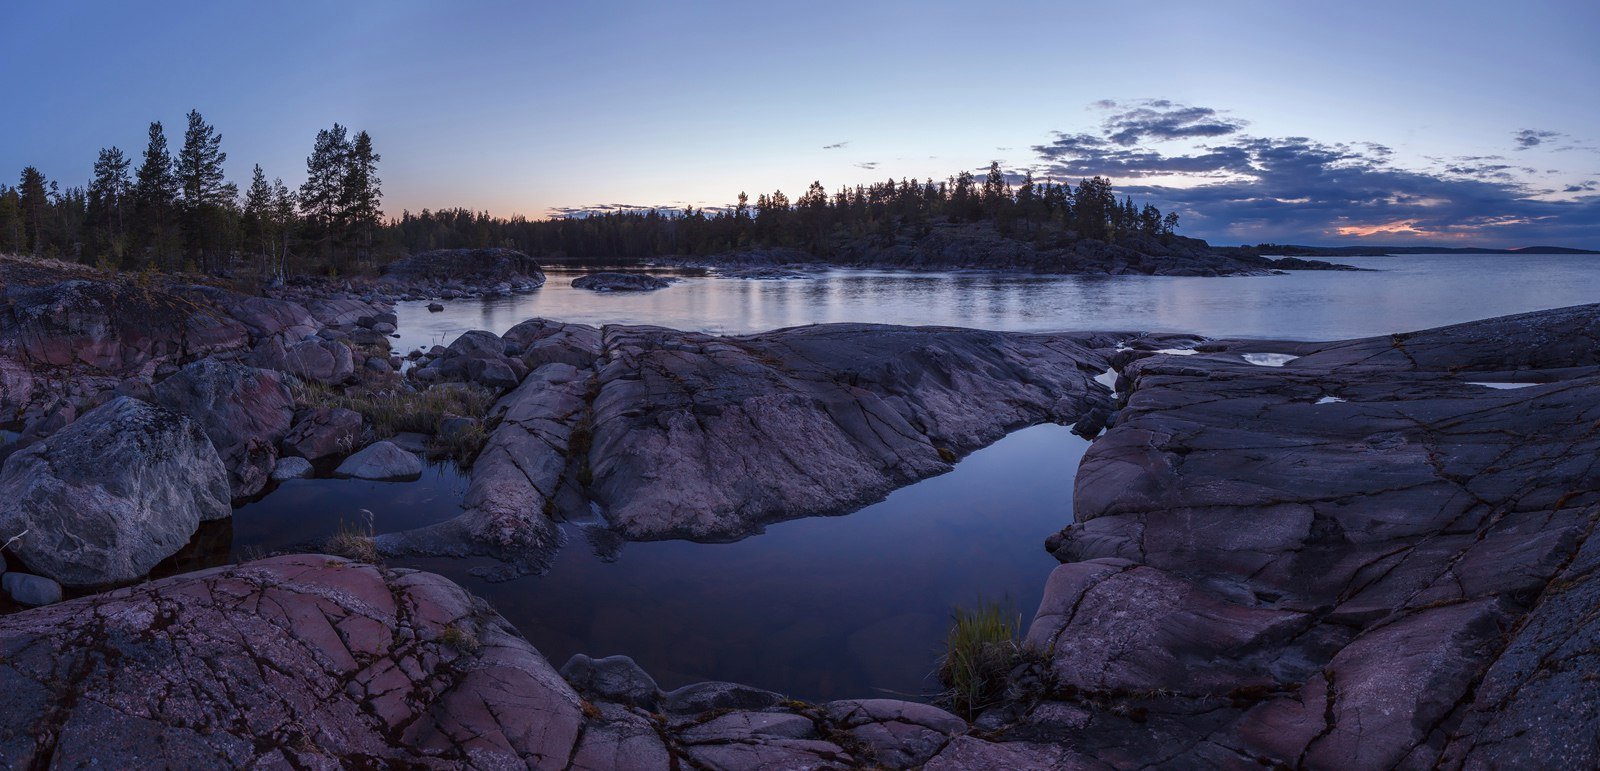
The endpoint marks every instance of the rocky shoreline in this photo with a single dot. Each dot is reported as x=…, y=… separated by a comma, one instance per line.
x=1360, y=553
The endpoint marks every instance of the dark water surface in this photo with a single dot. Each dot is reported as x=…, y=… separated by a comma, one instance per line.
x=816, y=608
x=857, y=605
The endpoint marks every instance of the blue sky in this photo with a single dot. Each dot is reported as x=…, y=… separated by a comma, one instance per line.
x=1281, y=121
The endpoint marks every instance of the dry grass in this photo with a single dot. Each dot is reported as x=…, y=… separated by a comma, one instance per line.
x=354, y=541
x=460, y=638
x=392, y=408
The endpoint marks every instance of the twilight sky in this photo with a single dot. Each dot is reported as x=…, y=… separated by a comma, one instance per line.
x=1473, y=122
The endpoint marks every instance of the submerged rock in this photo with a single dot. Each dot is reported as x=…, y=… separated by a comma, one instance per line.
x=109, y=496
x=620, y=282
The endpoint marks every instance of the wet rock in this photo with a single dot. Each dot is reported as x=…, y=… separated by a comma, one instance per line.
x=243, y=410
x=620, y=282
x=435, y=307
x=382, y=462
x=323, y=432
x=291, y=468
x=112, y=494
x=30, y=589
x=613, y=678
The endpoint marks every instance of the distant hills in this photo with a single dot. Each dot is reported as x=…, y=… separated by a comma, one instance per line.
x=1292, y=250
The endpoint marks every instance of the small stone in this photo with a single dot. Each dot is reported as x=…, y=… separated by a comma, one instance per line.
x=383, y=462
x=291, y=468
x=30, y=589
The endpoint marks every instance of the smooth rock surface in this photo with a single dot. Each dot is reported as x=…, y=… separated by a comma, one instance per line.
x=381, y=461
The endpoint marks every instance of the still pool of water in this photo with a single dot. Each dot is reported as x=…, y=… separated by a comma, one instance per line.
x=825, y=607
x=1399, y=294
x=858, y=605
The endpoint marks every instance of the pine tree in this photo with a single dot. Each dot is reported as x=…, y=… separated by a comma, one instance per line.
x=35, y=206
x=11, y=239
x=205, y=194
x=361, y=194
x=155, y=194
x=325, y=175
x=258, y=212
x=109, y=192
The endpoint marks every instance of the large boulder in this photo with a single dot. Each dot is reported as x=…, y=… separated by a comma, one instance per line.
x=304, y=661
x=324, y=361
x=320, y=433
x=606, y=281
x=109, y=496
x=244, y=410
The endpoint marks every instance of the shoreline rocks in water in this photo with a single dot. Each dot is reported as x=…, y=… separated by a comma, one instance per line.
x=608, y=281
x=685, y=435
x=315, y=661
x=1399, y=576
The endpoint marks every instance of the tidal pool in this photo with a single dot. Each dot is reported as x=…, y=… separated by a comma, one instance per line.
x=817, y=608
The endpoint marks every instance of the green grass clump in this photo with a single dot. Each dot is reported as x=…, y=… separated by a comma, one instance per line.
x=981, y=649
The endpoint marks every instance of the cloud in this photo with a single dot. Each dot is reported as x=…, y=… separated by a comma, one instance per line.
x=1530, y=138
x=836, y=146
x=868, y=165
x=1162, y=120
x=1236, y=188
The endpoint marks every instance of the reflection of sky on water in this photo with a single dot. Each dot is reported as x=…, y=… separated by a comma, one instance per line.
x=1406, y=293
x=855, y=605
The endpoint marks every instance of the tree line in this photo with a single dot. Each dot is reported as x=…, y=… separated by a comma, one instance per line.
x=179, y=211
x=818, y=221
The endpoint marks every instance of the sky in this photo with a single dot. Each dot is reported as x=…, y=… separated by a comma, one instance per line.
x=1473, y=122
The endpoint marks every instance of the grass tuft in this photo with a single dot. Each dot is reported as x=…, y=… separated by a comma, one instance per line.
x=393, y=408
x=354, y=541
x=460, y=638
x=981, y=649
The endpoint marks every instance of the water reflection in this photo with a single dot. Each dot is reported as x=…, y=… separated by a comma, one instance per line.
x=1405, y=293
x=816, y=608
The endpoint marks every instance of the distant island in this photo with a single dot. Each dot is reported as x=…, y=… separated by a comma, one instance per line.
x=1291, y=250
x=176, y=212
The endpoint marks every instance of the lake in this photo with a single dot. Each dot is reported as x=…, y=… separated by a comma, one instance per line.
x=857, y=605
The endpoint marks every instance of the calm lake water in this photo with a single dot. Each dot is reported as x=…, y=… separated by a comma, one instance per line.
x=858, y=605
x=1401, y=293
